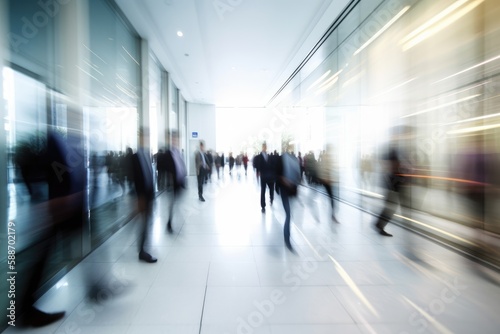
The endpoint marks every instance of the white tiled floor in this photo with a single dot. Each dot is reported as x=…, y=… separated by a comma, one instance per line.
x=225, y=270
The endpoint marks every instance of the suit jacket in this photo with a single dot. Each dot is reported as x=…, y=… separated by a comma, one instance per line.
x=288, y=174
x=178, y=173
x=266, y=168
x=199, y=162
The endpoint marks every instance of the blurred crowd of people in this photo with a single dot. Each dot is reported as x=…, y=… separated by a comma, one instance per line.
x=277, y=175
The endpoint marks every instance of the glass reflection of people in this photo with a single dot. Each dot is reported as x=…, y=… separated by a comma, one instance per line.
x=145, y=190
x=176, y=172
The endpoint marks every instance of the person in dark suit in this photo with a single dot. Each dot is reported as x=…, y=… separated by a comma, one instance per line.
x=144, y=187
x=201, y=168
x=231, y=162
x=222, y=163
x=266, y=172
x=287, y=179
x=176, y=172
x=396, y=166
x=210, y=162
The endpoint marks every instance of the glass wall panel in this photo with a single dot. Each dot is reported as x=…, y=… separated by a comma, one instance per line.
x=182, y=125
x=45, y=164
x=26, y=130
x=112, y=115
x=173, y=122
x=422, y=77
x=31, y=36
x=155, y=112
x=157, y=119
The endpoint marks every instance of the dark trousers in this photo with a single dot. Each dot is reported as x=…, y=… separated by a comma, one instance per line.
x=201, y=180
x=329, y=191
x=285, y=198
x=175, y=195
x=263, y=183
x=393, y=199
x=145, y=221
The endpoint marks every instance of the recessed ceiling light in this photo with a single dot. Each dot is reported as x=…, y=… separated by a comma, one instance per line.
x=180, y=33
x=233, y=68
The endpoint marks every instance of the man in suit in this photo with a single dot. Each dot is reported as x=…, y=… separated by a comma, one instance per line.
x=176, y=171
x=144, y=187
x=266, y=172
x=201, y=164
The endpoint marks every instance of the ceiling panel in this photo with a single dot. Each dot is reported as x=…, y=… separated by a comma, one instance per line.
x=233, y=52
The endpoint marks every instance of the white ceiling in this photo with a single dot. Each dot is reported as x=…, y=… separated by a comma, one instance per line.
x=234, y=53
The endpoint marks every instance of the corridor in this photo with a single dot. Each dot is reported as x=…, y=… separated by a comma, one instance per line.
x=225, y=269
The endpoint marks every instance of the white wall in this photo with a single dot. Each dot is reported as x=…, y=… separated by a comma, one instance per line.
x=200, y=119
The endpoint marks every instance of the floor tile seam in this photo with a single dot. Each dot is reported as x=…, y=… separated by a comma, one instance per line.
x=204, y=300
x=342, y=302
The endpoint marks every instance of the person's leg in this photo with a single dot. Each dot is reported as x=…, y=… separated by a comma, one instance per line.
x=329, y=191
x=270, y=184
x=286, y=228
x=263, y=185
x=143, y=231
x=171, y=206
x=145, y=226
x=201, y=179
x=386, y=215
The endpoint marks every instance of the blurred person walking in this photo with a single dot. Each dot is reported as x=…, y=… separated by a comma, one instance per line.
x=231, y=162
x=176, y=171
x=66, y=172
x=266, y=171
x=210, y=162
x=396, y=165
x=145, y=190
x=201, y=168
x=326, y=175
x=245, y=163
x=222, y=163
x=217, y=161
x=288, y=180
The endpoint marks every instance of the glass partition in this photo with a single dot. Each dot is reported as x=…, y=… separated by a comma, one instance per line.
x=41, y=119
x=428, y=67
